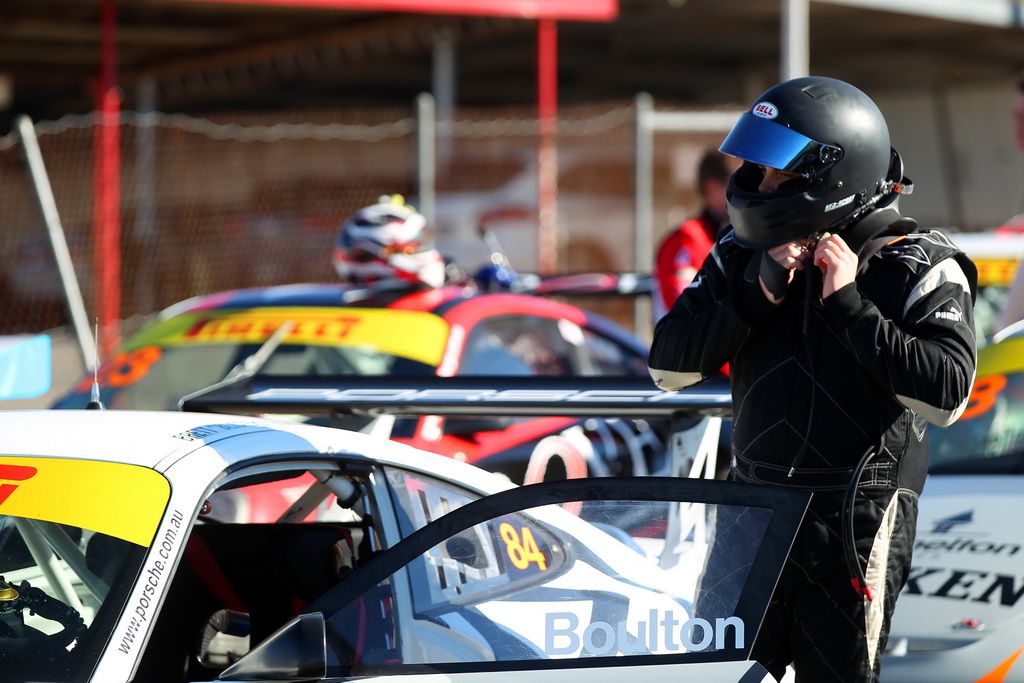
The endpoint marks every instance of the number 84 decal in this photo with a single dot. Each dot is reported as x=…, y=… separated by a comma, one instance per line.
x=521, y=547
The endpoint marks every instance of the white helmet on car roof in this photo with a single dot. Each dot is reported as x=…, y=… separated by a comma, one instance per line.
x=388, y=240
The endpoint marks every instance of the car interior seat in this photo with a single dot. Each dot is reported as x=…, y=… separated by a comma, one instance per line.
x=105, y=556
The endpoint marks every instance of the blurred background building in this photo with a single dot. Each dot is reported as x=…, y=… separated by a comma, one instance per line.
x=247, y=131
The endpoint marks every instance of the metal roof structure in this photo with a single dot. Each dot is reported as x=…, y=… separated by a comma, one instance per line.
x=203, y=56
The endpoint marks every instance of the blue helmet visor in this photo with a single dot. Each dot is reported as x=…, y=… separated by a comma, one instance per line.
x=764, y=142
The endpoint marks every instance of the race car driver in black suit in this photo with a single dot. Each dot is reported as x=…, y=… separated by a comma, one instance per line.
x=847, y=328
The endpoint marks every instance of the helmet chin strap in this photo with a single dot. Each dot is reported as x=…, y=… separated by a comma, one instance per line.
x=886, y=196
x=874, y=220
x=881, y=211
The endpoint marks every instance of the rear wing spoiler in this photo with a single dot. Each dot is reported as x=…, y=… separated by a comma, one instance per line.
x=695, y=413
x=616, y=397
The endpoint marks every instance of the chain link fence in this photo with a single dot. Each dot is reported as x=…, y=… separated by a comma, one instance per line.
x=226, y=202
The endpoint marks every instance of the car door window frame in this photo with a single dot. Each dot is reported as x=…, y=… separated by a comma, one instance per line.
x=787, y=505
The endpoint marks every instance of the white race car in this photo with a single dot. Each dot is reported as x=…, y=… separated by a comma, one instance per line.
x=959, y=619
x=186, y=547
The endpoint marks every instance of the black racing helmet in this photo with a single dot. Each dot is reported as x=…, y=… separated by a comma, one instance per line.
x=828, y=133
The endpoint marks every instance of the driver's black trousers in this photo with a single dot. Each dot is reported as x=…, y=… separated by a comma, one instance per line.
x=816, y=620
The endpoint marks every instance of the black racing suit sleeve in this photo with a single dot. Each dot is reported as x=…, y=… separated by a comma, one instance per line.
x=711, y=318
x=927, y=359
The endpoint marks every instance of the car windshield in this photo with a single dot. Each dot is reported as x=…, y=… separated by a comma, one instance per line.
x=192, y=351
x=69, y=556
x=996, y=257
x=989, y=304
x=989, y=437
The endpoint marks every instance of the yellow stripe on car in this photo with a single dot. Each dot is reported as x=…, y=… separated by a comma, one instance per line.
x=1004, y=358
x=124, y=501
x=996, y=272
x=415, y=335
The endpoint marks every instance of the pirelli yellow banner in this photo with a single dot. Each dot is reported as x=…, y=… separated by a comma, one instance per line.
x=124, y=501
x=416, y=335
x=995, y=272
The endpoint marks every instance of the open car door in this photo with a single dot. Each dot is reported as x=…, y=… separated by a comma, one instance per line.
x=586, y=579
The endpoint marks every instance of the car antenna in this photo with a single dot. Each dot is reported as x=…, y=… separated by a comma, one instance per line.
x=94, y=398
x=498, y=255
x=248, y=367
x=500, y=274
x=252, y=363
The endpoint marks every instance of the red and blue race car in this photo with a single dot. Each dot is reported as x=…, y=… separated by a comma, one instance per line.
x=328, y=330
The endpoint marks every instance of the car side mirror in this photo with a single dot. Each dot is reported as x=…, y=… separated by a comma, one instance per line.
x=295, y=652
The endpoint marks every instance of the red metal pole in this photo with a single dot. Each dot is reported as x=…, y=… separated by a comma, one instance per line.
x=107, y=187
x=547, y=155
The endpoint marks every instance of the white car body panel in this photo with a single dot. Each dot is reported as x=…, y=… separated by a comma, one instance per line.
x=723, y=672
x=992, y=659
x=192, y=450
x=158, y=440
x=960, y=616
x=195, y=452
x=966, y=524
x=989, y=245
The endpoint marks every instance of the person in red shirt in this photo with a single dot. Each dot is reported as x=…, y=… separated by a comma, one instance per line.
x=681, y=252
